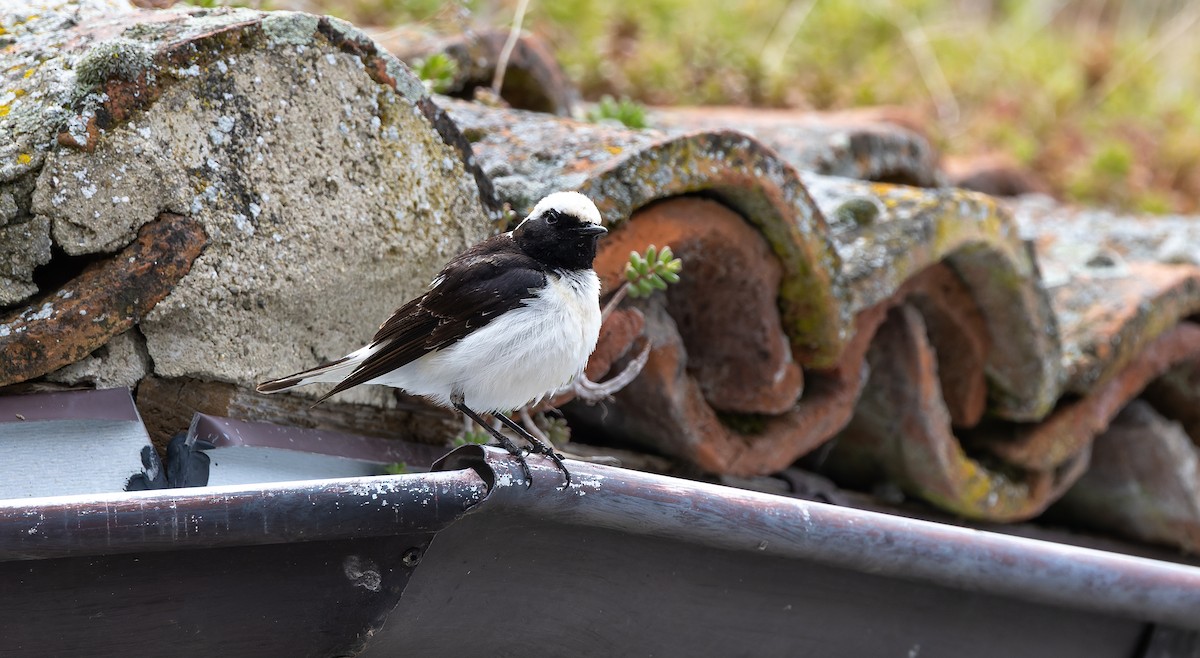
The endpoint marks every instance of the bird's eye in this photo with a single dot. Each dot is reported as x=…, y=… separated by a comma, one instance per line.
x=552, y=218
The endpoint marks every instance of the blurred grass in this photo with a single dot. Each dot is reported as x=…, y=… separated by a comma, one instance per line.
x=1100, y=98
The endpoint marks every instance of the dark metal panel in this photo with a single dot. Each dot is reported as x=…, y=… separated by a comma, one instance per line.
x=1172, y=643
x=712, y=516
x=209, y=517
x=506, y=583
x=319, y=598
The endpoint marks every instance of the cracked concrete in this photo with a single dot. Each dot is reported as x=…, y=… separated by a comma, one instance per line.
x=328, y=193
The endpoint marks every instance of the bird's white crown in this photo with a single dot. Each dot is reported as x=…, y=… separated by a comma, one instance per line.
x=568, y=203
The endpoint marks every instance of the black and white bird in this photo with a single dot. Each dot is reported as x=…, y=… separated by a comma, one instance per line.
x=505, y=323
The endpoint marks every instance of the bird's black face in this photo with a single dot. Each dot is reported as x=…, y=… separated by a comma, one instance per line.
x=559, y=240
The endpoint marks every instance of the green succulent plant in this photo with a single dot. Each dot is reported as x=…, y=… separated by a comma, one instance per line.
x=652, y=271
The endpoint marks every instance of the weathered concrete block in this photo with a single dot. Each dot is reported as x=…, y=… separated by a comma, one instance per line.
x=97, y=201
x=23, y=247
x=8, y=208
x=329, y=188
x=106, y=299
x=121, y=362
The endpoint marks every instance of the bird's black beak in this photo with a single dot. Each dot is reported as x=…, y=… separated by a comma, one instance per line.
x=592, y=229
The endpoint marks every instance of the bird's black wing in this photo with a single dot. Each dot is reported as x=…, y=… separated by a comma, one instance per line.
x=472, y=290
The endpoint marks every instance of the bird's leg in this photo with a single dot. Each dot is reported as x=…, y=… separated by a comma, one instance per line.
x=539, y=445
x=512, y=449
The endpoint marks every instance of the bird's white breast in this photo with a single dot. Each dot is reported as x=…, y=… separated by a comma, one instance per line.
x=521, y=356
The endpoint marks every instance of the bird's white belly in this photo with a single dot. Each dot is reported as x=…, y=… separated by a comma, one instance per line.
x=525, y=354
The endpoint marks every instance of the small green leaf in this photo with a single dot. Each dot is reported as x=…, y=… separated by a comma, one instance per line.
x=398, y=468
x=670, y=277
x=675, y=266
x=438, y=72
x=624, y=111
x=657, y=282
x=651, y=254
x=666, y=254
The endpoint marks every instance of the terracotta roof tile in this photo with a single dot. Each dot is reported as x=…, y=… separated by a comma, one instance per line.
x=981, y=346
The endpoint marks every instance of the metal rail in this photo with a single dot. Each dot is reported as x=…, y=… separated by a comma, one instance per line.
x=859, y=540
x=234, y=515
x=483, y=481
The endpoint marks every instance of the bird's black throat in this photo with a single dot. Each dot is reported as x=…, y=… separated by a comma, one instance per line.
x=565, y=245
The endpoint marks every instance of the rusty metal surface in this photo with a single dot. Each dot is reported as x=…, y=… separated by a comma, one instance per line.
x=105, y=300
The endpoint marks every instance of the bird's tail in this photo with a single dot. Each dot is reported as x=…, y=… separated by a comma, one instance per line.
x=334, y=371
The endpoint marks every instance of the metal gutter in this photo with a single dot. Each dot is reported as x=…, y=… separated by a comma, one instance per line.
x=858, y=540
x=619, y=563
x=234, y=515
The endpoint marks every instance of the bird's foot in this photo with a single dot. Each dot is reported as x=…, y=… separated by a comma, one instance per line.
x=538, y=446
x=558, y=461
x=520, y=454
x=541, y=448
x=507, y=443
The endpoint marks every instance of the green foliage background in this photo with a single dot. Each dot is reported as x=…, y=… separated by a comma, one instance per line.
x=1100, y=98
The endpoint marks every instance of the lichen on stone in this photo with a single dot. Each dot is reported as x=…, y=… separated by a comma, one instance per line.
x=25, y=246
x=288, y=28
x=120, y=58
x=8, y=208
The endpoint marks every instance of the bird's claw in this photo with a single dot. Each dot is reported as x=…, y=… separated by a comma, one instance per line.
x=525, y=470
x=520, y=454
x=549, y=452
